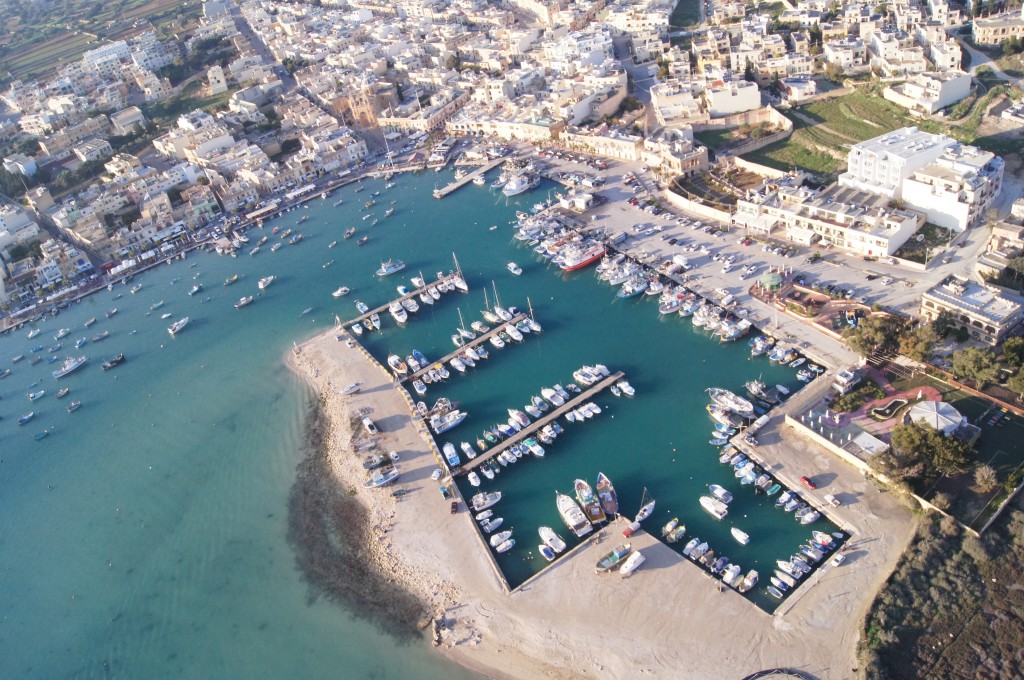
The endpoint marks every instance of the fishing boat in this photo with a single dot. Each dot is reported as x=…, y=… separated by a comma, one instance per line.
x=551, y=539
x=27, y=417
x=572, y=515
x=484, y=500
x=265, y=282
x=70, y=365
x=101, y=336
x=514, y=268
x=632, y=563
x=606, y=495
x=112, y=312
x=730, y=401
x=242, y=302
x=90, y=321
x=41, y=435
x=591, y=506
x=33, y=333
x=231, y=279
x=73, y=406
x=136, y=288
x=748, y=581
x=613, y=559
x=113, y=361
x=741, y=536
x=178, y=326
x=714, y=507
x=676, y=534
x=195, y=289
x=388, y=267
x=33, y=396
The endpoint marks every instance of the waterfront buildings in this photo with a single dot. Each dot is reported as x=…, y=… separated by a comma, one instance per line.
x=986, y=313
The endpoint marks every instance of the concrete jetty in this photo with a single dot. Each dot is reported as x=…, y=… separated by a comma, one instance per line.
x=383, y=308
x=462, y=181
x=538, y=424
x=479, y=340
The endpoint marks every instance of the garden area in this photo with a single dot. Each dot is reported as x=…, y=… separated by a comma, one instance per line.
x=166, y=111
x=992, y=467
x=723, y=140
x=705, y=188
x=928, y=241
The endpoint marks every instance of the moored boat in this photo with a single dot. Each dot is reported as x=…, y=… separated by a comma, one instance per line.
x=632, y=563
x=606, y=495
x=572, y=515
x=591, y=506
x=70, y=364
x=714, y=507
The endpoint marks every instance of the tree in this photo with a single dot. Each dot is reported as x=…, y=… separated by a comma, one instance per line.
x=944, y=323
x=985, y=478
x=1016, y=383
x=917, y=344
x=1013, y=351
x=875, y=333
x=977, y=365
x=748, y=71
x=834, y=72
x=916, y=441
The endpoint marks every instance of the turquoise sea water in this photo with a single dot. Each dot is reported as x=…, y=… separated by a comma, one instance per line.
x=146, y=536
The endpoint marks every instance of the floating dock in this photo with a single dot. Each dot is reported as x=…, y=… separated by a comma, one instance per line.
x=479, y=340
x=462, y=181
x=383, y=308
x=536, y=425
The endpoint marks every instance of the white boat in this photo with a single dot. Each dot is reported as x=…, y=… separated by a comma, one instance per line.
x=632, y=563
x=70, y=364
x=350, y=389
x=499, y=538
x=715, y=507
x=506, y=546
x=551, y=539
x=552, y=396
x=468, y=449
x=741, y=536
x=474, y=478
x=514, y=268
x=443, y=423
x=572, y=515
x=731, y=575
x=266, y=281
x=484, y=500
x=730, y=401
x=341, y=292
x=381, y=477
x=398, y=312
x=645, y=512
x=178, y=326
x=489, y=525
x=626, y=388
x=388, y=267
x=242, y=302
x=720, y=493
x=520, y=183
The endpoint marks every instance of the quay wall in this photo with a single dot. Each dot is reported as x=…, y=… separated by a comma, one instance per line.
x=696, y=208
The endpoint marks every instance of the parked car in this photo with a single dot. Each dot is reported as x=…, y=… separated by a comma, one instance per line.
x=838, y=559
x=808, y=482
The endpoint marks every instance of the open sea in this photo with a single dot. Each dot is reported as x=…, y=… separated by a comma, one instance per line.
x=146, y=536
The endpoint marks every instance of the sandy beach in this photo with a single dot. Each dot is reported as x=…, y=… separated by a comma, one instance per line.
x=668, y=620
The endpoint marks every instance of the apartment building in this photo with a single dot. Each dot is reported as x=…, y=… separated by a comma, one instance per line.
x=995, y=29
x=880, y=165
x=930, y=92
x=956, y=189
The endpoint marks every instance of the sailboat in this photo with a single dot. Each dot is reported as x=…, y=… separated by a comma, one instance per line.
x=646, y=507
x=466, y=334
x=490, y=316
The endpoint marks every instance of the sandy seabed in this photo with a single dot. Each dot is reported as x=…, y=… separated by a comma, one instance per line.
x=430, y=567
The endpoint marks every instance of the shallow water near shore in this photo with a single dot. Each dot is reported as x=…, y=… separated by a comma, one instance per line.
x=147, y=536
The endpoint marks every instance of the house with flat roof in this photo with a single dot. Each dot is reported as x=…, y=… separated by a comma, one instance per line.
x=988, y=314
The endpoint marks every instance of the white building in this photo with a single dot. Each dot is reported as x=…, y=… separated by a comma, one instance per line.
x=957, y=188
x=930, y=92
x=735, y=96
x=849, y=53
x=880, y=165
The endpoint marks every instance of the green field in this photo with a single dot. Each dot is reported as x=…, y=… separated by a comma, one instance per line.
x=849, y=119
x=36, y=38
x=686, y=13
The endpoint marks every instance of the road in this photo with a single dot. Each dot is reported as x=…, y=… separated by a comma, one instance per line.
x=979, y=59
x=261, y=48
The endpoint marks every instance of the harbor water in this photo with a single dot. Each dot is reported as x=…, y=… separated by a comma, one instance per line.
x=147, y=535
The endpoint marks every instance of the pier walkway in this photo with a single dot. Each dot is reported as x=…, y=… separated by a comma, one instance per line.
x=479, y=340
x=538, y=424
x=383, y=308
x=462, y=181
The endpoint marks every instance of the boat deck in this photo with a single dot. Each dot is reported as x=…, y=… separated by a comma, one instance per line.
x=479, y=340
x=462, y=181
x=536, y=425
x=383, y=308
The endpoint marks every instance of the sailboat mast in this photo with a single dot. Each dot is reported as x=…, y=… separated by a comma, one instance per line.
x=529, y=305
x=497, y=303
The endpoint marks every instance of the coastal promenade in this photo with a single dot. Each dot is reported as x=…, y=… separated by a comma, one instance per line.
x=479, y=340
x=462, y=181
x=383, y=308
x=538, y=424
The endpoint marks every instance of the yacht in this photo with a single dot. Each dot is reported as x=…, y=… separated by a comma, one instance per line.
x=178, y=326
x=340, y=292
x=551, y=539
x=70, y=364
x=266, y=281
x=398, y=311
x=390, y=267
x=514, y=268
x=442, y=423
x=243, y=301
x=715, y=507
x=572, y=515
